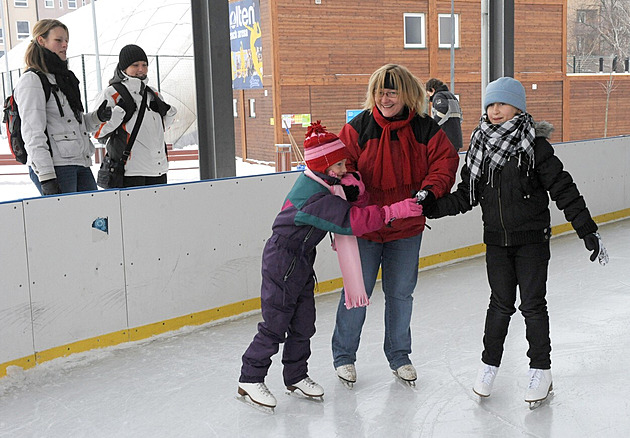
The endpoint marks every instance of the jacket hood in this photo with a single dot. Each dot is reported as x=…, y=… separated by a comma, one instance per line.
x=543, y=129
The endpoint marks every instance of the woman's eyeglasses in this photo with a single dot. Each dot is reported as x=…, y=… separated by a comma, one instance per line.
x=390, y=94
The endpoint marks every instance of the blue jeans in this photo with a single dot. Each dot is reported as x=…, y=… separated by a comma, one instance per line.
x=399, y=262
x=70, y=178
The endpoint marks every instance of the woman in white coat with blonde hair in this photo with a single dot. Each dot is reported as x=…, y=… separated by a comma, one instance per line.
x=55, y=130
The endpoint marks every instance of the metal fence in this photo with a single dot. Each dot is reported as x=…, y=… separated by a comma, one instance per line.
x=84, y=67
x=595, y=64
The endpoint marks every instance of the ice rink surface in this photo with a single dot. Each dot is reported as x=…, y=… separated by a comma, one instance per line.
x=183, y=384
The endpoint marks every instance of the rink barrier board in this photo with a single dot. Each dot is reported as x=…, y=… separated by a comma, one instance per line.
x=260, y=196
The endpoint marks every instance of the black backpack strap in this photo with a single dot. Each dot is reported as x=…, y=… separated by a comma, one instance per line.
x=48, y=88
x=136, y=127
x=129, y=104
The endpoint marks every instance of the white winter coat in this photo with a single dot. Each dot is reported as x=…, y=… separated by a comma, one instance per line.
x=148, y=154
x=69, y=140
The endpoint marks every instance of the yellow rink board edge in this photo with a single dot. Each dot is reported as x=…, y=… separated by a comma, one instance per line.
x=234, y=309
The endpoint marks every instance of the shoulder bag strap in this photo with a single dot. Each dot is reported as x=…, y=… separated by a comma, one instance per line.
x=136, y=127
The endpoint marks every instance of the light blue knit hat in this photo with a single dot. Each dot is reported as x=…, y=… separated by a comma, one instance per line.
x=505, y=90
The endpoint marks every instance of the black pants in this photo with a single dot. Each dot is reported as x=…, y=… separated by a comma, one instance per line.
x=138, y=181
x=524, y=266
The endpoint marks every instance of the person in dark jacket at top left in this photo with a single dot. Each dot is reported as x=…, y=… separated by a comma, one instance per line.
x=511, y=170
x=310, y=211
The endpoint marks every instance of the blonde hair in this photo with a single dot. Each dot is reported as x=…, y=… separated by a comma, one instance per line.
x=410, y=90
x=34, y=55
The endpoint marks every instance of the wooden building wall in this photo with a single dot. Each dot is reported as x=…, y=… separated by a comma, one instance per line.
x=322, y=57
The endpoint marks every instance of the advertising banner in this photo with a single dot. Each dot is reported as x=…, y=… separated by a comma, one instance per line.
x=246, y=45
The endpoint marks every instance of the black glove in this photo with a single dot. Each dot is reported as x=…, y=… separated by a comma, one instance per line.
x=104, y=113
x=159, y=106
x=352, y=193
x=591, y=242
x=425, y=197
x=50, y=187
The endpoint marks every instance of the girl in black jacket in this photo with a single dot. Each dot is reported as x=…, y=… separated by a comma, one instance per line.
x=511, y=170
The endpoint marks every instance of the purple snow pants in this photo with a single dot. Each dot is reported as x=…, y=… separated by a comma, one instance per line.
x=288, y=311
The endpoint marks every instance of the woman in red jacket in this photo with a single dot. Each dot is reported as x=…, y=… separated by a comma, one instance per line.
x=397, y=149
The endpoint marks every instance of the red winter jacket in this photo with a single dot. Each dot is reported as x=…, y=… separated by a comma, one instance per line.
x=434, y=163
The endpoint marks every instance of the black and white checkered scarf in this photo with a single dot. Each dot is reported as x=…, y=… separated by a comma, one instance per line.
x=492, y=145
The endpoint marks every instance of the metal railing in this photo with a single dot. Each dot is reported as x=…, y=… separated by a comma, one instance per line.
x=595, y=64
x=82, y=66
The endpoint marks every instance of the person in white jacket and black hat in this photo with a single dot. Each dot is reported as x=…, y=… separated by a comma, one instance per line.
x=147, y=163
x=55, y=131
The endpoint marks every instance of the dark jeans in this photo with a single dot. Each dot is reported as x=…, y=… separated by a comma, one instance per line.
x=524, y=266
x=138, y=181
x=70, y=178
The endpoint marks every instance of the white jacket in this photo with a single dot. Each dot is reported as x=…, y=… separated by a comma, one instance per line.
x=148, y=153
x=69, y=140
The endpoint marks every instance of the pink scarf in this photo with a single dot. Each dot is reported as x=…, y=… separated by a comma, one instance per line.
x=348, y=255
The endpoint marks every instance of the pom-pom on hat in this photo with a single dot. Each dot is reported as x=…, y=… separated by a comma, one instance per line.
x=130, y=54
x=322, y=149
x=505, y=90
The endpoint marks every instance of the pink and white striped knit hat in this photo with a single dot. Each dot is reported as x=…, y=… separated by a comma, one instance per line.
x=322, y=149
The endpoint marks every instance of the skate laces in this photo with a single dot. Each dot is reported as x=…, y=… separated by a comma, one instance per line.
x=309, y=382
x=263, y=388
x=535, y=378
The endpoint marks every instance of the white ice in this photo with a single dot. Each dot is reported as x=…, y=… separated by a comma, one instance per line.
x=183, y=384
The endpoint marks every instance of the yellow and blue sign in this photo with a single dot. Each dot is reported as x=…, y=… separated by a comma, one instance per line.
x=246, y=45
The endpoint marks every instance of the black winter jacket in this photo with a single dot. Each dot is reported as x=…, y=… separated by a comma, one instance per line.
x=515, y=206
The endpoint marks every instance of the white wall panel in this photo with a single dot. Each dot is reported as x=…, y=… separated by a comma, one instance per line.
x=76, y=271
x=174, y=250
x=198, y=246
x=16, y=327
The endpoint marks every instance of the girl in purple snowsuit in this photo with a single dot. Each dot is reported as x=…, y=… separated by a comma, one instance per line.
x=309, y=212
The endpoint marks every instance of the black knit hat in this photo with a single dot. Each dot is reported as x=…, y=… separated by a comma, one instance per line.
x=130, y=54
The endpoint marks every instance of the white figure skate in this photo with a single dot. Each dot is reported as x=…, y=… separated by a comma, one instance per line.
x=540, y=386
x=407, y=374
x=258, y=396
x=485, y=380
x=308, y=388
x=347, y=374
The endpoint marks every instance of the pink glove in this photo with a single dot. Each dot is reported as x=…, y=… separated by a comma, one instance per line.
x=402, y=209
x=353, y=179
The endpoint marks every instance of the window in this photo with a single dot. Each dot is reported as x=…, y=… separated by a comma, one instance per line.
x=445, y=30
x=1, y=53
x=49, y=3
x=23, y=29
x=72, y=4
x=414, y=30
x=581, y=16
x=1, y=35
x=20, y=3
x=60, y=4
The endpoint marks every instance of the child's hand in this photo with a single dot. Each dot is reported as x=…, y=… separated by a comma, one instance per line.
x=353, y=187
x=402, y=209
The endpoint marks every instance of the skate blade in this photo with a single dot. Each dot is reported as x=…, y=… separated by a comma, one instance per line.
x=347, y=383
x=536, y=403
x=410, y=383
x=262, y=408
x=481, y=395
x=297, y=392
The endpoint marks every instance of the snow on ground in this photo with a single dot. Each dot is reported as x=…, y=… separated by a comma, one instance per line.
x=15, y=182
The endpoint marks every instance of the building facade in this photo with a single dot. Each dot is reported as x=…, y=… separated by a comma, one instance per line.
x=21, y=15
x=318, y=56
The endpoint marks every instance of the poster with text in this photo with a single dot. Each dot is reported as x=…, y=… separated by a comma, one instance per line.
x=246, y=45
